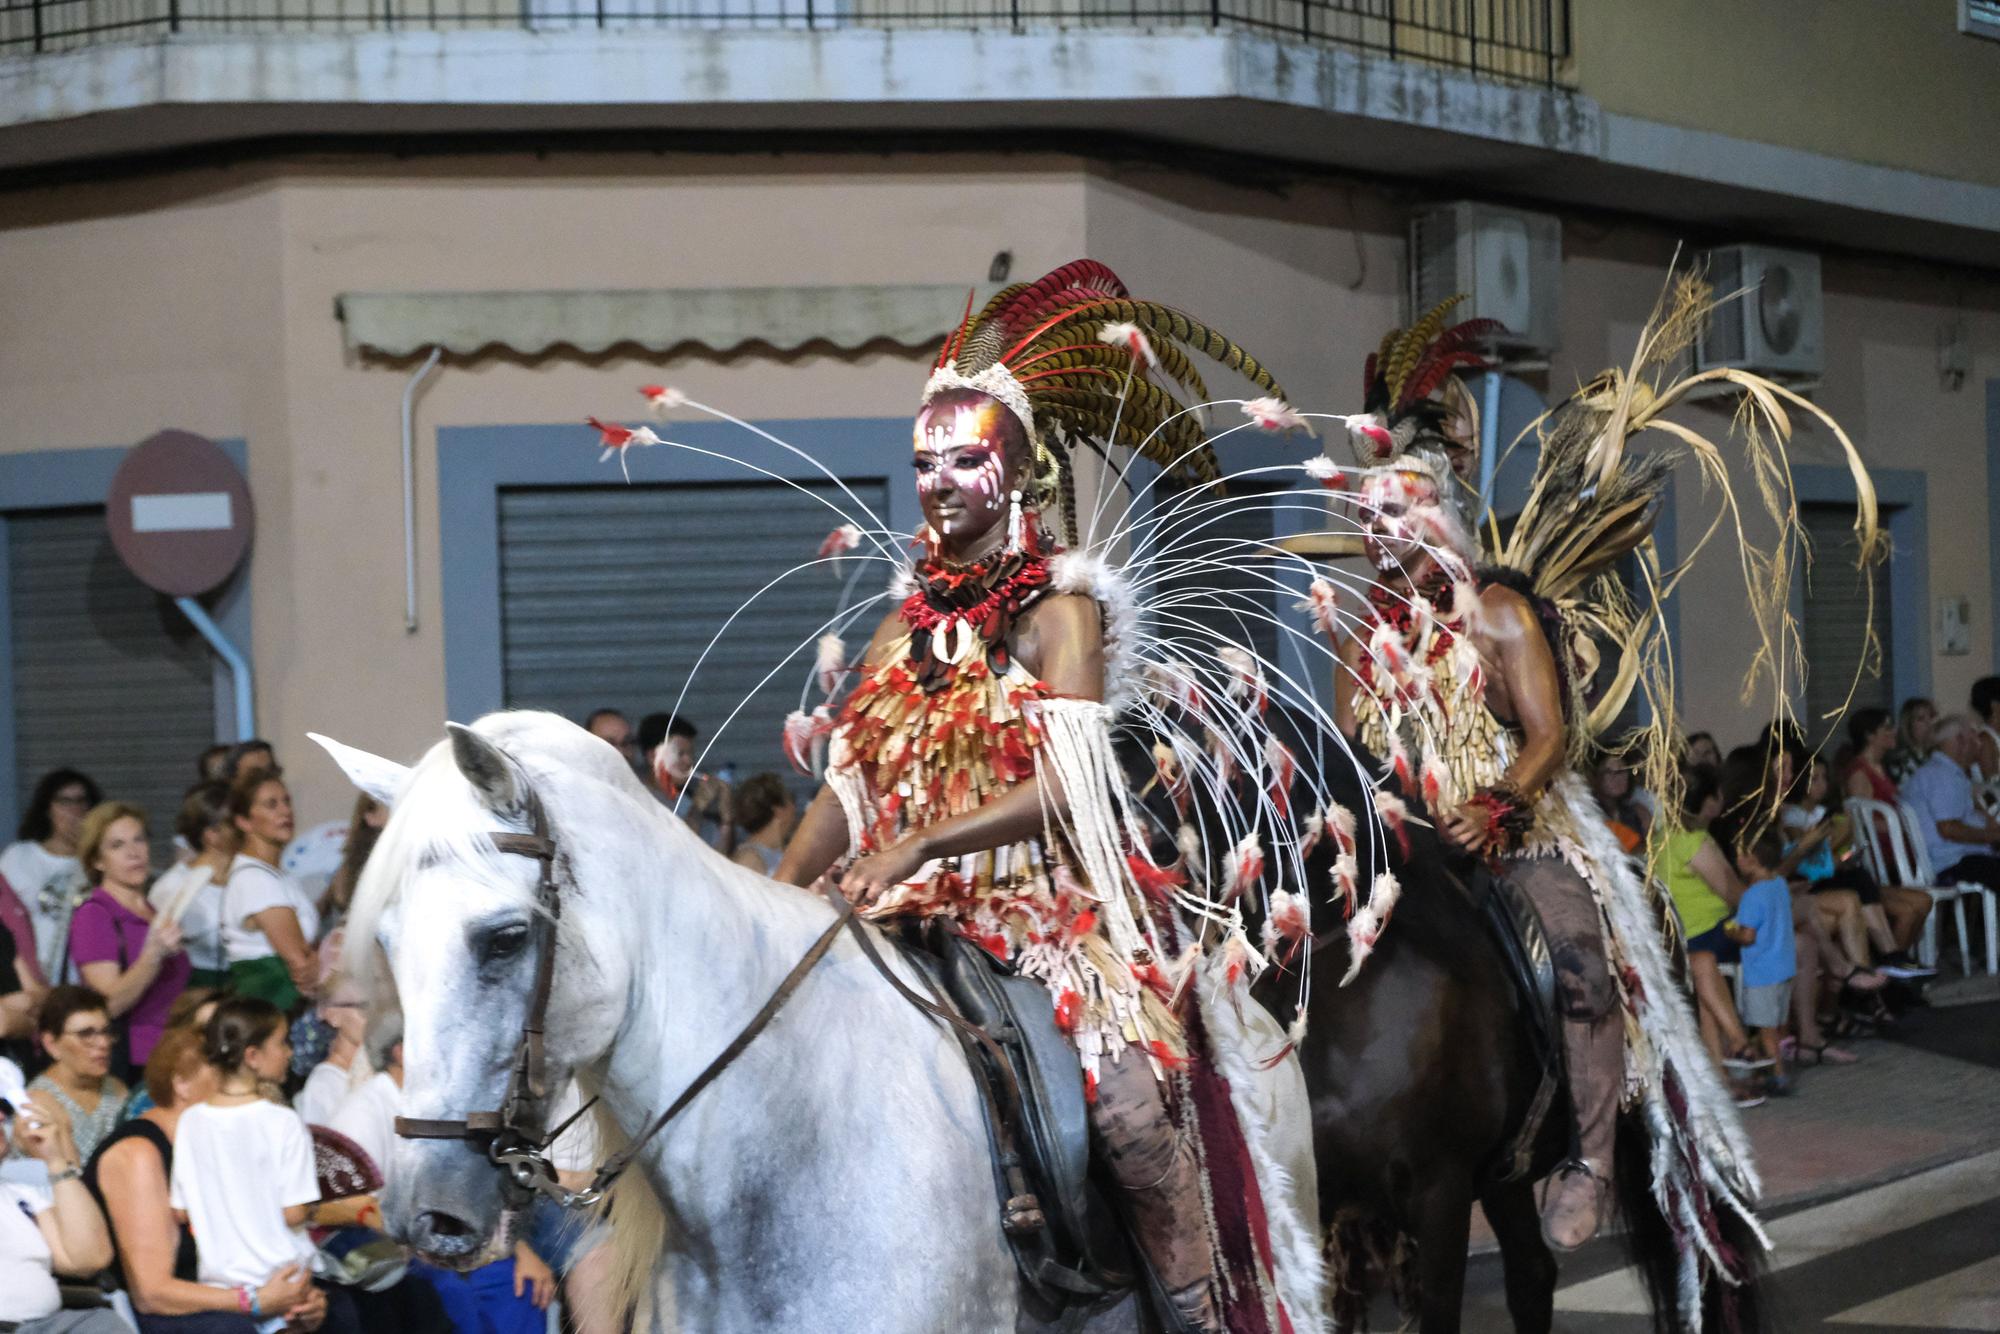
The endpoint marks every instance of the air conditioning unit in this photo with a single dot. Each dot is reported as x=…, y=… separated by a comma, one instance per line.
x=1507, y=263
x=1773, y=327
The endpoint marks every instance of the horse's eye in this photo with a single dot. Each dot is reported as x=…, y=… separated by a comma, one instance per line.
x=502, y=944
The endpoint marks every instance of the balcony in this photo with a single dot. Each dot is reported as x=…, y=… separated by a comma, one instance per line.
x=1522, y=42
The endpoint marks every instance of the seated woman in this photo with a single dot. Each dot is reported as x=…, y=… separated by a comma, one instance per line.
x=1611, y=781
x=1894, y=914
x=1835, y=910
x=191, y=893
x=75, y=1031
x=46, y=1232
x=123, y=950
x=1705, y=890
x=269, y=922
x=129, y=1175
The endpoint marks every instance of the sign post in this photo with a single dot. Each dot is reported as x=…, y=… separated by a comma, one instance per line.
x=180, y=519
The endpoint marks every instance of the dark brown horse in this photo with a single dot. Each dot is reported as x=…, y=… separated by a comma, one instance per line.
x=1421, y=1073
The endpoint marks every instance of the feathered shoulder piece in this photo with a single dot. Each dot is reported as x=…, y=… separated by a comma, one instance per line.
x=1078, y=359
x=1594, y=499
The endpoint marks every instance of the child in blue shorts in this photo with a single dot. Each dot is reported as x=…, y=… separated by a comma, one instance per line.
x=1769, y=962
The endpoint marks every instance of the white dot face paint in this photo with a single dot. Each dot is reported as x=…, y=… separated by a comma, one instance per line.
x=1393, y=516
x=962, y=481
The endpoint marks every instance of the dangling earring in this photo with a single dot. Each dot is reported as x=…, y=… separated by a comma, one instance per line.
x=929, y=538
x=1016, y=526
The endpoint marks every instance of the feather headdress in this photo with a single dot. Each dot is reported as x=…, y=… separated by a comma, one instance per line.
x=1078, y=361
x=1417, y=413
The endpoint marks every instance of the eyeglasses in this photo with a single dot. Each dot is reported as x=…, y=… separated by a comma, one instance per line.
x=88, y=1034
x=78, y=802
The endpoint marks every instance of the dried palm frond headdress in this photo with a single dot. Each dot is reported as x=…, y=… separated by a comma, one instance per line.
x=1593, y=502
x=1077, y=360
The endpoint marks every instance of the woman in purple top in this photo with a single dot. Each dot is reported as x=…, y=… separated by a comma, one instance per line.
x=122, y=950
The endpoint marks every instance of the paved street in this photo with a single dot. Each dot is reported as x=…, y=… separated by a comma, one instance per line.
x=1883, y=1190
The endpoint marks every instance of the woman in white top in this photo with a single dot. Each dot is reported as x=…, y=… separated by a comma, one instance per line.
x=42, y=867
x=190, y=893
x=269, y=923
x=243, y=1179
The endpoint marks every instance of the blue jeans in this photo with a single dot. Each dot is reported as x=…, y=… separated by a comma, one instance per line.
x=483, y=1301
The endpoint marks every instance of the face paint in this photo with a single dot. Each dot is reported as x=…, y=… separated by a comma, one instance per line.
x=1393, y=519
x=962, y=480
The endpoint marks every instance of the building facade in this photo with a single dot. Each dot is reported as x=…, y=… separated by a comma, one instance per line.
x=261, y=231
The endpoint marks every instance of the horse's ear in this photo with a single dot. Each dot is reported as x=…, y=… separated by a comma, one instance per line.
x=487, y=768
x=379, y=778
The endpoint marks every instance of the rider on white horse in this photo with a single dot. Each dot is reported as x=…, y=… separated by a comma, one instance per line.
x=969, y=772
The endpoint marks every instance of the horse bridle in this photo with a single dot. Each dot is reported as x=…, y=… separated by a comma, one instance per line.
x=514, y=1136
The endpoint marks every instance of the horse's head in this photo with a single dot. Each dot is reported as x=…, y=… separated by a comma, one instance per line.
x=457, y=922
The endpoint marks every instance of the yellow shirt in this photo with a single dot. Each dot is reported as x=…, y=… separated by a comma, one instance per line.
x=1700, y=907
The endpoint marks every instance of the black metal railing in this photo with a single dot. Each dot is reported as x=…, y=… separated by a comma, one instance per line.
x=1514, y=41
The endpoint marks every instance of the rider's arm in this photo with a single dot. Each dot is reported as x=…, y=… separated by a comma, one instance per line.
x=1069, y=640
x=1494, y=818
x=817, y=843
x=1533, y=686
x=821, y=836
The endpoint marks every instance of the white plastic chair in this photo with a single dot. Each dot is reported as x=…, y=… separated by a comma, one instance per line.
x=1927, y=875
x=1896, y=852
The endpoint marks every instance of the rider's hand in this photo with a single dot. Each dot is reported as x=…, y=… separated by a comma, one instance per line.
x=873, y=876
x=1467, y=828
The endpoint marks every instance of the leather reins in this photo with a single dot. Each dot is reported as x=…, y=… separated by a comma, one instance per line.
x=515, y=1137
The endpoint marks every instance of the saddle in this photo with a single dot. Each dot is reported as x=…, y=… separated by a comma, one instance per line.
x=1524, y=953
x=1063, y=1229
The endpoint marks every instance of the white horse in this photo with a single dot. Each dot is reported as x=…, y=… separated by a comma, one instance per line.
x=834, y=1178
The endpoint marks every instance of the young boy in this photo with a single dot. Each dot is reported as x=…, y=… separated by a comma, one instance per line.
x=1768, y=959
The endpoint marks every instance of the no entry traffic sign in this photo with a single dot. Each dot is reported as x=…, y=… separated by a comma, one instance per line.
x=179, y=513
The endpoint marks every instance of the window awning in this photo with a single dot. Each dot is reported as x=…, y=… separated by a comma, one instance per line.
x=721, y=319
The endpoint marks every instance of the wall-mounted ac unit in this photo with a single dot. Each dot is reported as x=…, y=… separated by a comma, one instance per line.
x=1773, y=328
x=1508, y=264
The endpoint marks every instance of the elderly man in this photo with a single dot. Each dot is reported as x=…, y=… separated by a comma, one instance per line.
x=1960, y=836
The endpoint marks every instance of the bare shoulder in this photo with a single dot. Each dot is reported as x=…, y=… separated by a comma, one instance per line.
x=1066, y=615
x=886, y=633
x=1505, y=614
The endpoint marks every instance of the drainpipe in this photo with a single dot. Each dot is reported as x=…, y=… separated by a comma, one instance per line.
x=239, y=666
x=410, y=490
x=1489, y=443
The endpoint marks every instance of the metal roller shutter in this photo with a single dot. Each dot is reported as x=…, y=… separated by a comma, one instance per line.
x=1835, y=623
x=108, y=677
x=608, y=595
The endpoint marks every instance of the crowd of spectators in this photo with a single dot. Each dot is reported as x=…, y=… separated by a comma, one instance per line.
x=1795, y=944
x=198, y=1106
x=210, y=1117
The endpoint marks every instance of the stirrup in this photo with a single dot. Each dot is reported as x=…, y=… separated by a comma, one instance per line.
x=1568, y=1168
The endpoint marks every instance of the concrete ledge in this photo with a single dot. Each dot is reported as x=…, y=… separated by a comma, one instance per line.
x=1235, y=92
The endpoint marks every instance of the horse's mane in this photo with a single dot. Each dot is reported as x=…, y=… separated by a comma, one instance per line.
x=438, y=819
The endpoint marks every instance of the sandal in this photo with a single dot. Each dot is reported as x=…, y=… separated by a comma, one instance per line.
x=1747, y=1057
x=1825, y=1053
x=1862, y=981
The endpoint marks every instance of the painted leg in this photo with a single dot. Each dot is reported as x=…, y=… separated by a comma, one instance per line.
x=1593, y=1042
x=1530, y=1268
x=1155, y=1170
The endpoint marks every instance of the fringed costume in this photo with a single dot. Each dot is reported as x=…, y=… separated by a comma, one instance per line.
x=1421, y=702
x=1143, y=970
